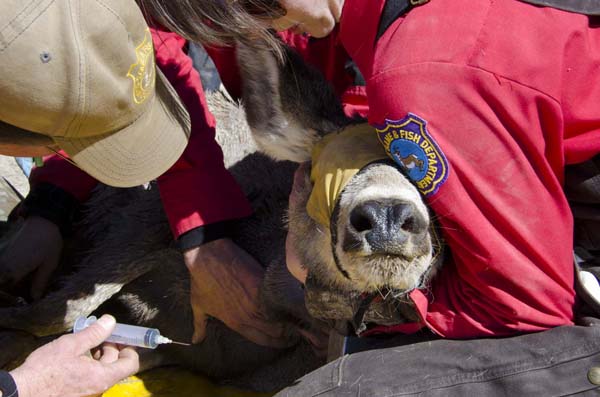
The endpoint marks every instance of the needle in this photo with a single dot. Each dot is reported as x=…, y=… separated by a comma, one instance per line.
x=181, y=343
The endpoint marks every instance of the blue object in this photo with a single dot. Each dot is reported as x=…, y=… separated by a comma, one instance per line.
x=26, y=164
x=205, y=66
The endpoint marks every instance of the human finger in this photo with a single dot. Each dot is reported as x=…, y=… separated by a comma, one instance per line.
x=318, y=340
x=95, y=334
x=127, y=363
x=199, y=324
x=128, y=352
x=110, y=353
x=273, y=329
x=261, y=338
x=96, y=353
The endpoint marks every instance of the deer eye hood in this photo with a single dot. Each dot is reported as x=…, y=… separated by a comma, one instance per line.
x=335, y=160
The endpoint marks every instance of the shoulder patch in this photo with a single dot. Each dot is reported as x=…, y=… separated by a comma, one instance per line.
x=409, y=144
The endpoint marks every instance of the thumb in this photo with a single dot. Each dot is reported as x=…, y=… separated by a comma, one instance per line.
x=95, y=334
x=199, y=325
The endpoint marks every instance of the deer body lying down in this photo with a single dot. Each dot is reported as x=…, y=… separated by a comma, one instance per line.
x=377, y=237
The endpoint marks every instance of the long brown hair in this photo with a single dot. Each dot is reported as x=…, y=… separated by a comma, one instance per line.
x=217, y=22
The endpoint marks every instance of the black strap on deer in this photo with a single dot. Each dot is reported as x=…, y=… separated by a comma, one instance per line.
x=358, y=320
x=334, y=237
x=586, y=7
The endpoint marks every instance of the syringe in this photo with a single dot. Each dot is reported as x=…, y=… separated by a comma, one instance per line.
x=131, y=335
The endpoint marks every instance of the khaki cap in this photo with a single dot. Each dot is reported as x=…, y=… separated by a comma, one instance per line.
x=81, y=74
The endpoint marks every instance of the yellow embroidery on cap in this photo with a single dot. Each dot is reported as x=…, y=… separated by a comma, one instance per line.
x=143, y=72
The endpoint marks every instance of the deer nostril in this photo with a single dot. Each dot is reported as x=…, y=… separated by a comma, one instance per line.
x=409, y=224
x=360, y=221
x=368, y=216
x=385, y=226
x=403, y=216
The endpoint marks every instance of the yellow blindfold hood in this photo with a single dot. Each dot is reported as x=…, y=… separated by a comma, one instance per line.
x=335, y=160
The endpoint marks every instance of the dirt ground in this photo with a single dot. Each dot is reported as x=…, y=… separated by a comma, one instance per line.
x=10, y=171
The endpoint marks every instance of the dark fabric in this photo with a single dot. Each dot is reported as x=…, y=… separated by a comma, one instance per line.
x=352, y=70
x=209, y=75
x=356, y=344
x=203, y=234
x=582, y=187
x=392, y=11
x=52, y=203
x=588, y=7
x=7, y=385
x=551, y=363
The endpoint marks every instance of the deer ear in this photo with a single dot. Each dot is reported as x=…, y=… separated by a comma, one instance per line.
x=289, y=105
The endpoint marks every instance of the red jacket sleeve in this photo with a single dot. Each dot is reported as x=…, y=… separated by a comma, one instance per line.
x=197, y=190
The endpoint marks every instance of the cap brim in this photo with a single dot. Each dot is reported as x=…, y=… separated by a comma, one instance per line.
x=17, y=142
x=141, y=151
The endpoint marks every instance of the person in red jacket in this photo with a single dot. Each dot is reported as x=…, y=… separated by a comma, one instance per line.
x=500, y=102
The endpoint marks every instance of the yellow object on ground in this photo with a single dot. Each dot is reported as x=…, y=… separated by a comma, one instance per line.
x=174, y=382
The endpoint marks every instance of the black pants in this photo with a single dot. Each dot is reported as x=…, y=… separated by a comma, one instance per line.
x=558, y=362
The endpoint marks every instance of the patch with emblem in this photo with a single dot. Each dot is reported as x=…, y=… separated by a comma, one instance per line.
x=143, y=72
x=409, y=144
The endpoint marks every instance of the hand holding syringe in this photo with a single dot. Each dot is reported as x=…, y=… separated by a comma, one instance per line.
x=130, y=335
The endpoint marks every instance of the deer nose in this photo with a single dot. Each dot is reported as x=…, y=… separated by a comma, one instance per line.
x=385, y=226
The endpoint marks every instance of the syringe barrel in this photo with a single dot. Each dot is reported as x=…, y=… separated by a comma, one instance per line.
x=124, y=334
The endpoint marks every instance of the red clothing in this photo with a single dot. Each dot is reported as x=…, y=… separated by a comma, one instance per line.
x=197, y=189
x=510, y=94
